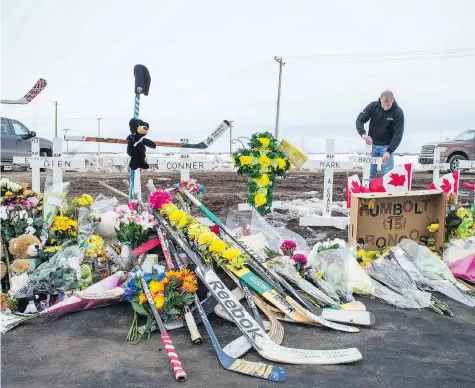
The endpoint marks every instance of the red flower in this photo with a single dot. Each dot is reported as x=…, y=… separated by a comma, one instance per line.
x=299, y=258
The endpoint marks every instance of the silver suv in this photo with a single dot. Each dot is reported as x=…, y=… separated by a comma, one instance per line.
x=16, y=141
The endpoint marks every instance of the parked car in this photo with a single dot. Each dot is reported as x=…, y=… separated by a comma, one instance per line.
x=16, y=141
x=461, y=147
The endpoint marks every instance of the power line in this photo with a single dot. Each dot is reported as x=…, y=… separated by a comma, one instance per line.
x=349, y=55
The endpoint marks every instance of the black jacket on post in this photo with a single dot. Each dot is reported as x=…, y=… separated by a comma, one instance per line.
x=386, y=127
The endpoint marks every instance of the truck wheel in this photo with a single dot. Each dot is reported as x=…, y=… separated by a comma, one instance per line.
x=453, y=161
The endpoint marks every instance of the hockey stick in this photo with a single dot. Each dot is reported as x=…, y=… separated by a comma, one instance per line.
x=249, y=327
x=142, y=86
x=215, y=135
x=255, y=369
x=179, y=372
x=34, y=91
x=276, y=296
x=241, y=345
x=189, y=319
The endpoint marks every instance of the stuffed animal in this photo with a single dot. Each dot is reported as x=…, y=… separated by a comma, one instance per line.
x=24, y=250
x=136, y=144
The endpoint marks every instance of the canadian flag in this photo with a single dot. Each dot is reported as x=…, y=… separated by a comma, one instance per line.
x=448, y=183
x=399, y=179
x=353, y=185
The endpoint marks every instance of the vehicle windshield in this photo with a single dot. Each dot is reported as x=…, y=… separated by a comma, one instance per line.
x=465, y=136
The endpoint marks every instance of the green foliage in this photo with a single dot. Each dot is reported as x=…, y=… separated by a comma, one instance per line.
x=133, y=234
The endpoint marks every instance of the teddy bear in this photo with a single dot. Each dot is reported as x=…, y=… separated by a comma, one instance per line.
x=136, y=143
x=24, y=249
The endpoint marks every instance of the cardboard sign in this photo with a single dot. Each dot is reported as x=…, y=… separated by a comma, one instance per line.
x=294, y=155
x=396, y=216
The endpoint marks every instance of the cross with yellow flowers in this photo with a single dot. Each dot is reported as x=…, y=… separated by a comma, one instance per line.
x=262, y=162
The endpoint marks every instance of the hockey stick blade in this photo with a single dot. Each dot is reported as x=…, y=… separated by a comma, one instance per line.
x=28, y=97
x=249, y=327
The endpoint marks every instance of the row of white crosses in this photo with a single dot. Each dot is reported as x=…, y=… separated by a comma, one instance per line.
x=56, y=163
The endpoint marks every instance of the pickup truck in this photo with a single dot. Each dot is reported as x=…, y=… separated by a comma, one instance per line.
x=16, y=141
x=461, y=147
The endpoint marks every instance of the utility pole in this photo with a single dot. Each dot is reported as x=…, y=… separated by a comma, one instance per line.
x=56, y=119
x=67, y=143
x=281, y=63
x=231, y=137
x=99, y=135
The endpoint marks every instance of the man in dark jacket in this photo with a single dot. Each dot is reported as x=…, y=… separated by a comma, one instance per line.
x=386, y=127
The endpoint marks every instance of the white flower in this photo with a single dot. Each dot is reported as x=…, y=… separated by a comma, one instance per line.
x=3, y=213
x=4, y=182
x=14, y=187
x=29, y=221
x=30, y=230
x=23, y=214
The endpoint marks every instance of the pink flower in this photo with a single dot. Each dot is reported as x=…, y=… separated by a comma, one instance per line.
x=132, y=205
x=288, y=247
x=299, y=258
x=159, y=198
x=11, y=207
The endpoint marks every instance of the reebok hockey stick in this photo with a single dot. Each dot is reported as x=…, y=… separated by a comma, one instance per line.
x=179, y=372
x=189, y=319
x=277, y=296
x=249, y=327
x=254, y=369
x=215, y=135
x=34, y=91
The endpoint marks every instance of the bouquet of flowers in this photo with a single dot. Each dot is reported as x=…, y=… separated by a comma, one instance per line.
x=171, y=291
x=262, y=163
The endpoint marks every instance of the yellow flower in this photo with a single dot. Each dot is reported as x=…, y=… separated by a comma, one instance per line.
x=8, y=193
x=177, y=216
x=184, y=221
x=264, y=141
x=142, y=298
x=53, y=249
x=433, y=228
x=168, y=208
x=461, y=213
x=85, y=200
x=63, y=223
x=218, y=246
x=156, y=287
x=371, y=204
x=159, y=301
x=195, y=231
x=281, y=163
x=97, y=246
x=207, y=238
x=260, y=200
x=264, y=161
x=231, y=253
x=245, y=160
x=263, y=180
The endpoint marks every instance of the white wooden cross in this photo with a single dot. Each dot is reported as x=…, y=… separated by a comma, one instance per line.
x=56, y=163
x=436, y=166
x=35, y=171
x=329, y=165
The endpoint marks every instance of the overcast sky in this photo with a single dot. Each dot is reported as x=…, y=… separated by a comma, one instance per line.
x=212, y=60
